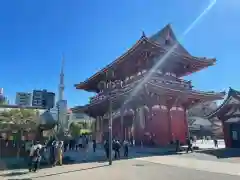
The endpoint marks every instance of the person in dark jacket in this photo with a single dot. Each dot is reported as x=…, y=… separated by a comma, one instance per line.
x=189, y=144
x=177, y=145
x=53, y=149
x=116, y=148
x=106, y=148
x=215, y=143
x=94, y=145
x=125, y=145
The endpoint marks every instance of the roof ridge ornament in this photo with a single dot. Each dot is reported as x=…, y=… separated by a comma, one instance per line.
x=143, y=34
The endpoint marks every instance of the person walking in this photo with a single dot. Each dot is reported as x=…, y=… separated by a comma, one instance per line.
x=116, y=148
x=189, y=144
x=30, y=160
x=215, y=141
x=106, y=148
x=94, y=145
x=125, y=146
x=53, y=149
x=177, y=145
x=59, y=153
x=36, y=159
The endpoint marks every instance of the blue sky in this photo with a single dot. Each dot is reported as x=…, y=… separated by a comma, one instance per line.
x=91, y=34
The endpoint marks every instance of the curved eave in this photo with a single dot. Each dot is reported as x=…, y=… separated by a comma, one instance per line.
x=195, y=70
x=203, y=61
x=117, y=61
x=231, y=93
x=78, y=109
x=200, y=62
x=207, y=95
x=195, y=93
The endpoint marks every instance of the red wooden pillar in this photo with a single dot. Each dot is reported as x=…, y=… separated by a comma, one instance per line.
x=170, y=103
x=187, y=133
x=169, y=123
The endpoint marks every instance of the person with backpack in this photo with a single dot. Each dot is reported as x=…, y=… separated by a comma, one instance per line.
x=36, y=159
x=116, y=148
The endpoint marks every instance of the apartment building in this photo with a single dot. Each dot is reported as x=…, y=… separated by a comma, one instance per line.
x=23, y=99
x=43, y=98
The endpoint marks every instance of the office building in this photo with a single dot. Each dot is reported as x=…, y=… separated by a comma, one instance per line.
x=49, y=98
x=23, y=99
x=3, y=99
x=43, y=98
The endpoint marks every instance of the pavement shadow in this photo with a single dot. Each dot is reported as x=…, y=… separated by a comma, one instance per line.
x=222, y=153
x=65, y=172
x=24, y=164
x=14, y=174
x=97, y=158
x=20, y=179
x=132, y=155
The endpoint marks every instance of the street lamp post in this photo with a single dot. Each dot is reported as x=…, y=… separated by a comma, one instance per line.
x=109, y=75
x=58, y=117
x=110, y=131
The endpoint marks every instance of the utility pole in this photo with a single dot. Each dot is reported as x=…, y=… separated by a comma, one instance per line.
x=58, y=118
x=109, y=75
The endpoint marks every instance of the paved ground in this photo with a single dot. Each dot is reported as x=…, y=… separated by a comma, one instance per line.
x=144, y=164
x=209, y=144
x=134, y=169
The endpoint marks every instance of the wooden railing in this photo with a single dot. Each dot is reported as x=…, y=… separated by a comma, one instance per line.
x=156, y=77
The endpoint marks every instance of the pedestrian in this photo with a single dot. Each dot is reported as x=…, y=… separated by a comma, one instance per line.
x=66, y=145
x=59, y=153
x=106, y=148
x=36, y=159
x=53, y=153
x=177, y=145
x=79, y=143
x=116, y=148
x=189, y=144
x=215, y=141
x=94, y=145
x=30, y=160
x=125, y=145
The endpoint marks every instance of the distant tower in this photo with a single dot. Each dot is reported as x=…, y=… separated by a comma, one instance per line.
x=61, y=103
x=61, y=83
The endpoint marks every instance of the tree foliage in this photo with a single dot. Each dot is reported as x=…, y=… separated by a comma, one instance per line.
x=75, y=128
x=18, y=119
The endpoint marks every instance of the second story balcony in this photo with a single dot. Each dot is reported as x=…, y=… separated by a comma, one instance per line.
x=159, y=78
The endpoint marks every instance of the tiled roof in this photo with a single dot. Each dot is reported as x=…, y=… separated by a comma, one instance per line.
x=167, y=34
x=233, y=97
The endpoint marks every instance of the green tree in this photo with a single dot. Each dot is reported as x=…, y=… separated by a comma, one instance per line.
x=75, y=128
x=17, y=119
